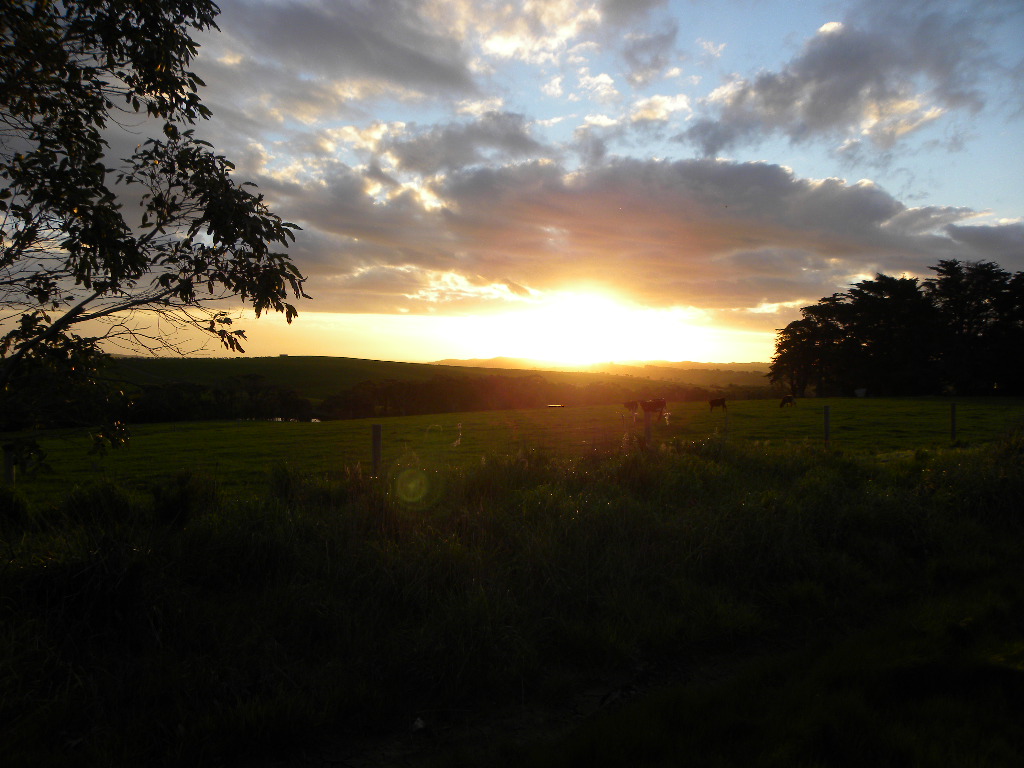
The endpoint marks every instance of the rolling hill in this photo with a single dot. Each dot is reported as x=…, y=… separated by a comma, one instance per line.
x=717, y=375
x=320, y=377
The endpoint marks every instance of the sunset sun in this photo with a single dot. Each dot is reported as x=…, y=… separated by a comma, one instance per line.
x=578, y=328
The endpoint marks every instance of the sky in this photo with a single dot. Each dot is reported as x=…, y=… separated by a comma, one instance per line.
x=593, y=180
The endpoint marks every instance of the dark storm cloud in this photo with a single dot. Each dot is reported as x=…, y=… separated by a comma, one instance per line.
x=887, y=70
x=496, y=135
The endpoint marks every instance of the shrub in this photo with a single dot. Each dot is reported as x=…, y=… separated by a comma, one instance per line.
x=102, y=504
x=15, y=515
x=186, y=495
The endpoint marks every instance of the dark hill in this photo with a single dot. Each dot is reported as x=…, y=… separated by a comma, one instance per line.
x=320, y=377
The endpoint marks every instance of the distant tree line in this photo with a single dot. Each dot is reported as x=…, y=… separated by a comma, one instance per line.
x=959, y=332
x=252, y=397
x=239, y=397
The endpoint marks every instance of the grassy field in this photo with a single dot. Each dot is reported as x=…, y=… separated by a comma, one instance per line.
x=240, y=453
x=238, y=594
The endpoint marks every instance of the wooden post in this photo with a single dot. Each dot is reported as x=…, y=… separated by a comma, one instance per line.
x=952, y=422
x=827, y=425
x=377, y=432
x=647, y=428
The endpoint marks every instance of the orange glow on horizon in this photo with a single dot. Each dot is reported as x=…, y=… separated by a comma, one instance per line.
x=564, y=329
x=582, y=328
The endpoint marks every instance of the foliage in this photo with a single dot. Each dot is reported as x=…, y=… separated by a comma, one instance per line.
x=244, y=397
x=76, y=269
x=955, y=333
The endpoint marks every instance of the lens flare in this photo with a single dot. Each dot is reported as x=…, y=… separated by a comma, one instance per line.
x=412, y=485
x=415, y=487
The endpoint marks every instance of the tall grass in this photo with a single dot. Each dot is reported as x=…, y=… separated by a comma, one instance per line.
x=188, y=626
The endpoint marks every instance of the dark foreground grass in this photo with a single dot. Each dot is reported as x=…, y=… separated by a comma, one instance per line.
x=866, y=612
x=940, y=685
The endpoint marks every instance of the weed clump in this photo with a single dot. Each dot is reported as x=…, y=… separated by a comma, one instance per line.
x=102, y=505
x=185, y=496
x=15, y=514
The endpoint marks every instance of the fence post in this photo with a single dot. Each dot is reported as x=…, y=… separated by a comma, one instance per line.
x=647, y=428
x=828, y=425
x=377, y=432
x=952, y=422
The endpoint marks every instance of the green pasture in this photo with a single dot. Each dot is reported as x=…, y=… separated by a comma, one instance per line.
x=240, y=453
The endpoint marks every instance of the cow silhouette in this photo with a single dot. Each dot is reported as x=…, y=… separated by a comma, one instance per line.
x=657, y=404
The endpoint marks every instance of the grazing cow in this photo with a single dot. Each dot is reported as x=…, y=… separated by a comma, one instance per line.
x=787, y=400
x=631, y=405
x=657, y=404
x=717, y=402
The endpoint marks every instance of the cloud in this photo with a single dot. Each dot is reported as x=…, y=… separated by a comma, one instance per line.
x=479, y=107
x=708, y=234
x=589, y=146
x=713, y=50
x=385, y=45
x=553, y=87
x=495, y=136
x=600, y=87
x=885, y=73
x=647, y=56
x=534, y=32
x=1003, y=244
x=619, y=11
x=659, y=108
x=379, y=127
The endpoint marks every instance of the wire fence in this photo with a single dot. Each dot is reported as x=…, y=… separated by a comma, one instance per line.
x=847, y=424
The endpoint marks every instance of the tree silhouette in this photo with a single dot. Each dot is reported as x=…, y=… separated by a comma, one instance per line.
x=976, y=304
x=893, y=324
x=79, y=265
x=955, y=332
